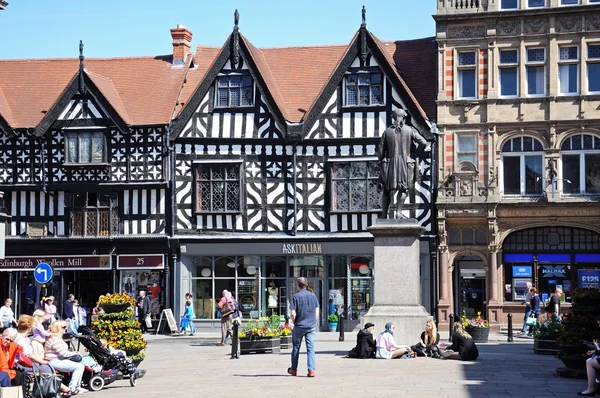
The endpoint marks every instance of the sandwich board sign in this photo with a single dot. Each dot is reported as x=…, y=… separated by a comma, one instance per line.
x=169, y=318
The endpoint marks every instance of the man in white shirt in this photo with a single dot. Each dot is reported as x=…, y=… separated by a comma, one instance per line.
x=527, y=303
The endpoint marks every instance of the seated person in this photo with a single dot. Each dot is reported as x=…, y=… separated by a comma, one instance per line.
x=463, y=347
x=57, y=354
x=592, y=366
x=8, y=351
x=387, y=347
x=430, y=339
x=365, y=344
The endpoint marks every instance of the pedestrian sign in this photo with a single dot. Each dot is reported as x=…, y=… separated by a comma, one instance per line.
x=43, y=273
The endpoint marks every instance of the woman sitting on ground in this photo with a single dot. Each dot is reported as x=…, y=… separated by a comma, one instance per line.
x=58, y=354
x=365, y=344
x=463, y=347
x=430, y=339
x=387, y=347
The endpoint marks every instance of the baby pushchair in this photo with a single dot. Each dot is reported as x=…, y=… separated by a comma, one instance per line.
x=109, y=362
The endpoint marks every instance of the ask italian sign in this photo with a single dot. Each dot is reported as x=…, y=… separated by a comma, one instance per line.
x=59, y=263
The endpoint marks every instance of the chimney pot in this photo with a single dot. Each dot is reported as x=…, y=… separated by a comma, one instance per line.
x=182, y=43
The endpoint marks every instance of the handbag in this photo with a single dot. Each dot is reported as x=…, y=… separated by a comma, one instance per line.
x=531, y=321
x=148, y=321
x=75, y=358
x=226, y=310
x=46, y=385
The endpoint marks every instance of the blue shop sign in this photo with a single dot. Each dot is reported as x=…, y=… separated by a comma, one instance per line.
x=589, y=278
x=522, y=271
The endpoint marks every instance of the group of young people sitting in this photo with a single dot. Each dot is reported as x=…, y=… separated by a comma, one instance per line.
x=429, y=345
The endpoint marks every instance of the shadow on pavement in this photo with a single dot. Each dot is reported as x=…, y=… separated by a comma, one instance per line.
x=263, y=375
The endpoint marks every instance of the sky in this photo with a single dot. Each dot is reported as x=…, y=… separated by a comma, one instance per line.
x=125, y=28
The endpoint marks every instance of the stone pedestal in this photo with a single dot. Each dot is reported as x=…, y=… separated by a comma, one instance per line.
x=397, y=290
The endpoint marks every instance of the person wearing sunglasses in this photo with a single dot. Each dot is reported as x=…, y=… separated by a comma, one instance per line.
x=8, y=357
x=62, y=359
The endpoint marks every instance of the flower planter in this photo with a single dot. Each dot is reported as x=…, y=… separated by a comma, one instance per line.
x=545, y=346
x=480, y=335
x=332, y=326
x=574, y=363
x=260, y=345
x=286, y=342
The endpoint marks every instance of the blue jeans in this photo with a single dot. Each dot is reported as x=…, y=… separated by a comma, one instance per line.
x=309, y=335
x=192, y=327
x=4, y=379
x=527, y=315
x=76, y=369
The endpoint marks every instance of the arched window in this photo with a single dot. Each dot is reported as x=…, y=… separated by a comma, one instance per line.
x=580, y=157
x=523, y=166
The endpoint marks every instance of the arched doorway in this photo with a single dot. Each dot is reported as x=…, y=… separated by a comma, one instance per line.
x=550, y=258
x=469, y=285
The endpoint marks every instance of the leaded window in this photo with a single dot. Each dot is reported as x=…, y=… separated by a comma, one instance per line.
x=85, y=147
x=536, y=71
x=94, y=214
x=467, y=72
x=593, y=68
x=363, y=89
x=235, y=90
x=354, y=186
x=523, y=166
x=218, y=187
x=580, y=156
x=568, y=69
x=509, y=75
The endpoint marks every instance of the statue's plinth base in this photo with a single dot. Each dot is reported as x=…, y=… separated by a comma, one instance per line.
x=397, y=296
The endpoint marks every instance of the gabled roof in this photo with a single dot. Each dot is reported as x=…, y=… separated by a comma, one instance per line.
x=143, y=90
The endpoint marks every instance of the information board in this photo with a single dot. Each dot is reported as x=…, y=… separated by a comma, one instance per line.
x=169, y=318
x=589, y=278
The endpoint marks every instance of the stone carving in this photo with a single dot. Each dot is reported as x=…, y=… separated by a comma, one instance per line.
x=465, y=32
x=510, y=27
x=441, y=27
x=536, y=26
x=592, y=22
x=466, y=188
x=397, y=162
x=491, y=24
x=568, y=24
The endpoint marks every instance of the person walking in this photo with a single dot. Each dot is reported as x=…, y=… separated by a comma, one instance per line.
x=143, y=304
x=304, y=311
x=227, y=307
x=188, y=297
x=536, y=309
x=527, y=304
x=7, y=316
x=553, y=307
x=67, y=310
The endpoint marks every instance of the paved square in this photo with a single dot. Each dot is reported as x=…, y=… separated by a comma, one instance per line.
x=190, y=367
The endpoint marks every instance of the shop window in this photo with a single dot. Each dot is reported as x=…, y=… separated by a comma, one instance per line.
x=202, y=293
x=467, y=72
x=274, y=267
x=85, y=147
x=336, y=295
x=149, y=281
x=568, y=69
x=509, y=74
x=234, y=90
x=307, y=266
x=225, y=267
x=274, y=286
x=94, y=214
x=338, y=266
x=354, y=186
x=203, y=267
x=536, y=71
x=218, y=187
x=580, y=156
x=522, y=163
x=248, y=267
x=361, y=267
x=364, y=89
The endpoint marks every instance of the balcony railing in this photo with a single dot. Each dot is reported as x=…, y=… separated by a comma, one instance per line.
x=461, y=6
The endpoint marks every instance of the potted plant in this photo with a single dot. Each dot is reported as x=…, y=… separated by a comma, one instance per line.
x=332, y=321
x=285, y=332
x=259, y=336
x=478, y=328
x=544, y=339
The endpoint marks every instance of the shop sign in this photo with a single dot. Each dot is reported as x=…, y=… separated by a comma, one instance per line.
x=556, y=271
x=140, y=261
x=59, y=263
x=302, y=248
x=521, y=271
x=589, y=278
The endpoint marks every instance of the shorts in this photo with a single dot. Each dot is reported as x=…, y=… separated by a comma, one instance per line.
x=382, y=353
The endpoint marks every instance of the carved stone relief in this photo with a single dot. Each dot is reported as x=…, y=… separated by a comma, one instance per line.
x=592, y=22
x=568, y=24
x=465, y=32
x=466, y=188
x=510, y=27
x=441, y=27
x=536, y=26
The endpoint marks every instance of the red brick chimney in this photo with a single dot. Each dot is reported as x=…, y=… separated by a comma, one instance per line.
x=182, y=42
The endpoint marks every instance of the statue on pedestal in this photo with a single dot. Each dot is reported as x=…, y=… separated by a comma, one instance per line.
x=397, y=166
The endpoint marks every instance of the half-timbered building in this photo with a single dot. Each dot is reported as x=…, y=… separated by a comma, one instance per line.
x=275, y=169
x=84, y=171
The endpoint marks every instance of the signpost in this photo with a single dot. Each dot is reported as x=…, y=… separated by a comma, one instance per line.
x=43, y=273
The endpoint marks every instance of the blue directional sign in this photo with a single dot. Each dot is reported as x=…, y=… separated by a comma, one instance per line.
x=43, y=273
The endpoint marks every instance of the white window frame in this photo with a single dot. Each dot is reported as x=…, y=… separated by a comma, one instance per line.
x=534, y=7
x=512, y=8
x=534, y=64
x=514, y=66
x=460, y=68
x=228, y=75
x=458, y=151
x=522, y=187
x=68, y=132
x=588, y=62
x=562, y=4
x=582, y=184
x=569, y=62
x=369, y=71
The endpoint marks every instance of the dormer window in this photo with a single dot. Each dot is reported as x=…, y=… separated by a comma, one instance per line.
x=235, y=90
x=364, y=89
x=84, y=147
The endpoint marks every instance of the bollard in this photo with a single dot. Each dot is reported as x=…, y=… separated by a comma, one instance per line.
x=510, y=329
x=235, y=341
x=341, y=326
x=451, y=328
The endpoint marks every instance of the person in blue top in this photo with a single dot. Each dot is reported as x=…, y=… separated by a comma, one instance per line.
x=332, y=307
x=188, y=297
x=304, y=311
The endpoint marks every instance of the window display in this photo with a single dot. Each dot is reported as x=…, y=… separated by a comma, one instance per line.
x=150, y=281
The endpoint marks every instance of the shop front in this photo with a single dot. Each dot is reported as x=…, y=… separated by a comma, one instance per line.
x=262, y=275
x=143, y=272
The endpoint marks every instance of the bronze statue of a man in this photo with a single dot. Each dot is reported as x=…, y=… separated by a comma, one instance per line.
x=397, y=167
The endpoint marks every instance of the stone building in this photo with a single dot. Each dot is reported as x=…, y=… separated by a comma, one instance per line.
x=519, y=161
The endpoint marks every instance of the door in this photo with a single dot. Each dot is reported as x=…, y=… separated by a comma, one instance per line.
x=316, y=286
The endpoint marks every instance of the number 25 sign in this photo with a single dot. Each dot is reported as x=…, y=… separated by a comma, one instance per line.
x=140, y=261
